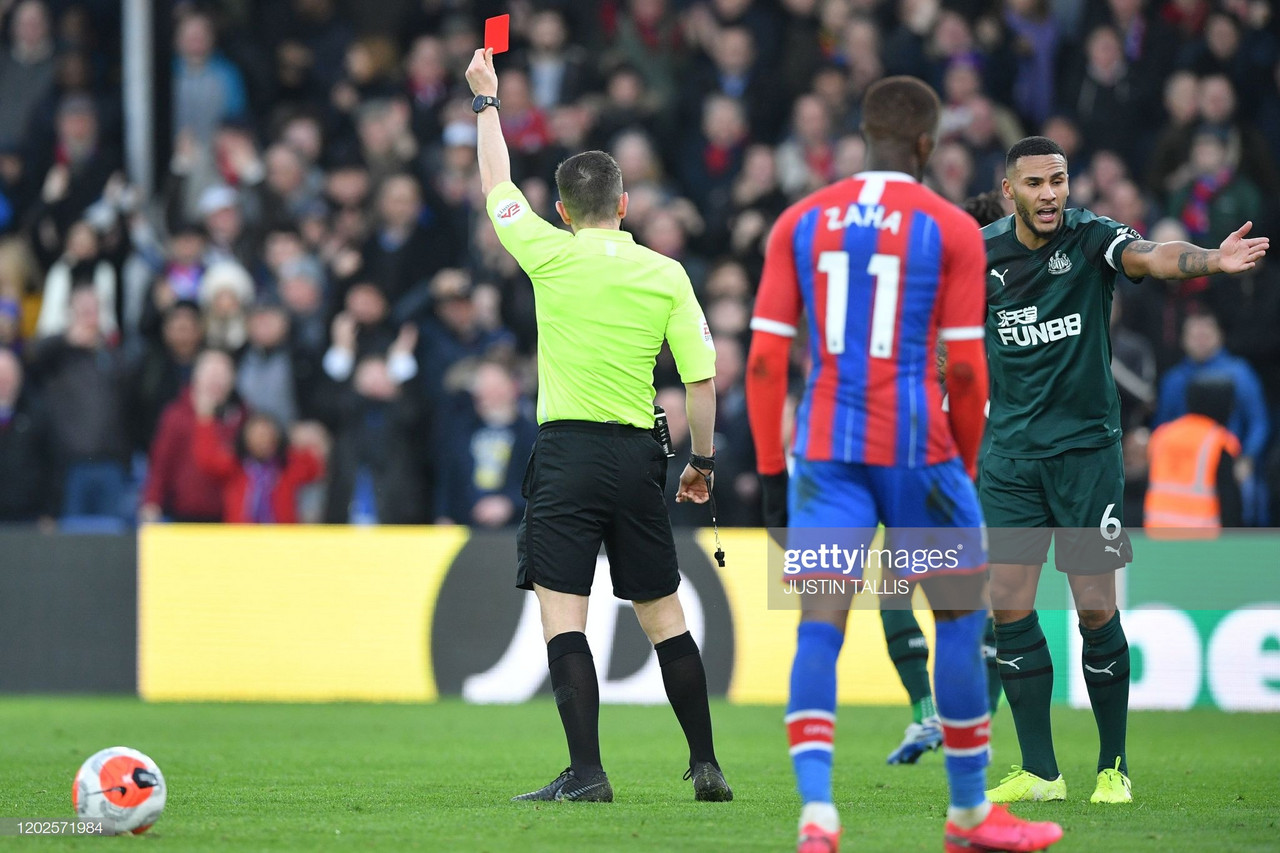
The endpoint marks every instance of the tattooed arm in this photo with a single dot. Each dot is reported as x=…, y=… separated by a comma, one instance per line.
x=1183, y=260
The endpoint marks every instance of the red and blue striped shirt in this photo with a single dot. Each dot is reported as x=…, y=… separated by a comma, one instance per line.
x=882, y=267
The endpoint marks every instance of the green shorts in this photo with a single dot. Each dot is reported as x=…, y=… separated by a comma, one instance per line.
x=1077, y=495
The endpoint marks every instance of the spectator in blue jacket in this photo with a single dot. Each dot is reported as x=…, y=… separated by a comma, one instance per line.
x=483, y=450
x=1202, y=342
x=208, y=89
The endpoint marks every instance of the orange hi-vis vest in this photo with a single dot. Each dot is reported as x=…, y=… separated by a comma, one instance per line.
x=1182, y=486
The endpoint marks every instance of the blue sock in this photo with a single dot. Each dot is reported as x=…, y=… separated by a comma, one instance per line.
x=811, y=708
x=960, y=690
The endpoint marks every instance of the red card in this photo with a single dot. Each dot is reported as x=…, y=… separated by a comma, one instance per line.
x=497, y=33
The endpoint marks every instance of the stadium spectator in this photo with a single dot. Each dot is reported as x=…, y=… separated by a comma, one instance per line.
x=1206, y=356
x=226, y=289
x=232, y=160
x=371, y=70
x=309, y=41
x=162, y=371
x=1248, y=308
x=228, y=236
x=559, y=73
x=649, y=37
x=412, y=241
x=26, y=69
x=484, y=447
x=365, y=328
x=27, y=490
x=800, y=47
x=291, y=186
x=81, y=265
x=207, y=87
x=80, y=375
x=381, y=465
x=731, y=70
x=1156, y=309
x=629, y=105
x=454, y=333
x=952, y=171
x=387, y=146
x=712, y=158
x=806, y=158
x=259, y=477
x=1219, y=110
x=176, y=488
x=1225, y=49
x=301, y=290
x=1215, y=197
x=428, y=82
x=1104, y=96
x=1133, y=364
x=268, y=376
x=641, y=166
x=74, y=171
x=665, y=234
x=1038, y=39
x=1181, y=111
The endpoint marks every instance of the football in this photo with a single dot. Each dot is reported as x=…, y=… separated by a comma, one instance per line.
x=120, y=787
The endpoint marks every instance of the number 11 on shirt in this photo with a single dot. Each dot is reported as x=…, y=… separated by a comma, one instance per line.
x=887, y=271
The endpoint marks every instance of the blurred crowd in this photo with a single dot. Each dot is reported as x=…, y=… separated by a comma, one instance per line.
x=312, y=319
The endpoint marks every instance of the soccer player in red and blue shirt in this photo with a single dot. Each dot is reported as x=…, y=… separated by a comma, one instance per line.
x=882, y=268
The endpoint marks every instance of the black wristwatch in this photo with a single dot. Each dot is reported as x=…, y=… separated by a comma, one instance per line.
x=480, y=102
x=702, y=464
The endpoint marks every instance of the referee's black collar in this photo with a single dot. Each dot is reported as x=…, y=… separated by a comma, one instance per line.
x=606, y=234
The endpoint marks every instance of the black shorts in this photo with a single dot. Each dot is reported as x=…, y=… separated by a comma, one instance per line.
x=589, y=484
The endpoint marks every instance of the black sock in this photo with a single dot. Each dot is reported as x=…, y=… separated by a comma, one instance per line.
x=994, y=687
x=1027, y=672
x=573, y=678
x=686, y=684
x=1106, y=675
x=910, y=655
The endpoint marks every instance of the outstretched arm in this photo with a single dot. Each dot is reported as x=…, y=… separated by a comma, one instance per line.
x=1177, y=259
x=491, y=148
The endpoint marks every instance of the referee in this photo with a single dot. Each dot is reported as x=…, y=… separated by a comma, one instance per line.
x=597, y=474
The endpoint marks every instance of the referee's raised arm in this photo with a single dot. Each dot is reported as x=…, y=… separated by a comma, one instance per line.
x=491, y=148
x=597, y=474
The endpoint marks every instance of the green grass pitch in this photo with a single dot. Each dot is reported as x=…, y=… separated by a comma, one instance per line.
x=438, y=777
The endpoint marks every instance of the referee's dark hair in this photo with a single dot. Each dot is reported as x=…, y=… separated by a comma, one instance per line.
x=590, y=185
x=1032, y=146
x=900, y=108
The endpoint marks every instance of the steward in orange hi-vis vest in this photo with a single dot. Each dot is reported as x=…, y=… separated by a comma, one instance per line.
x=1190, y=467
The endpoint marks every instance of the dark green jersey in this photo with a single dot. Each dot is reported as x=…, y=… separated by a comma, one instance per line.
x=1048, y=337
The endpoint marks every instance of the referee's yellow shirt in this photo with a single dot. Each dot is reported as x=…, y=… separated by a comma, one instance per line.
x=604, y=306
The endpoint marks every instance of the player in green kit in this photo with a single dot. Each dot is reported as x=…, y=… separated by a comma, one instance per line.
x=1052, y=461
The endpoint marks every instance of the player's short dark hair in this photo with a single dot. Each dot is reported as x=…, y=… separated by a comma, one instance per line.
x=984, y=207
x=900, y=108
x=1032, y=146
x=590, y=185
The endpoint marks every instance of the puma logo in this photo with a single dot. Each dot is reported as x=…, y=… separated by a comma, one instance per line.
x=1108, y=549
x=1106, y=670
x=1013, y=663
x=1000, y=275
